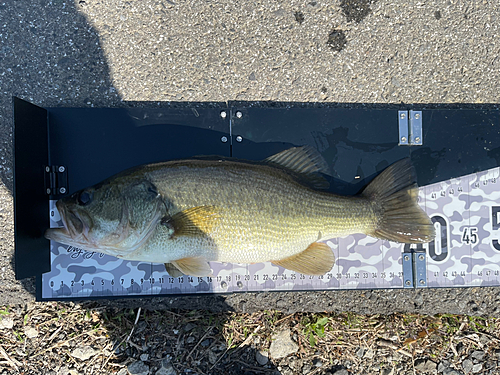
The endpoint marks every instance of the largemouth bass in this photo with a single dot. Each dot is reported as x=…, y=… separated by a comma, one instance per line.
x=185, y=213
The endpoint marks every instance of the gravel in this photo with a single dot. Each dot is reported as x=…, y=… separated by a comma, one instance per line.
x=282, y=345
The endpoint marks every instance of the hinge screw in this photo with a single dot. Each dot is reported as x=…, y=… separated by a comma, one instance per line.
x=421, y=257
x=48, y=190
x=417, y=115
x=422, y=282
x=417, y=139
x=239, y=138
x=224, y=139
x=403, y=115
x=61, y=169
x=407, y=258
x=223, y=114
x=62, y=190
x=47, y=169
x=403, y=139
x=408, y=282
x=239, y=114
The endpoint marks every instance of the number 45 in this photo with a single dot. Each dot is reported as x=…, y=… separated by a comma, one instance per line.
x=469, y=236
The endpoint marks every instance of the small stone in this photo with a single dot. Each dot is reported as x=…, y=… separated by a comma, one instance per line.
x=425, y=365
x=306, y=369
x=467, y=365
x=188, y=327
x=84, y=353
x=138, y=368
x=123, y=371
x=369, y=354
x=144, y=357
x=167, y=370
x=6, y=322
x=165, y=362
x=30, y=332
x=477, y=368
x=478, y=354
x=219, y=348
x=73, y=372
x=282, y=345
x=317, y=362
x=206, y=342
x=387, y=371
x=63, y=370
x=262, y=357
x=361, y=352
x=190, y=340
x=341, y=372
x=212, y=357
x=450, y=371
x=251, y=77
x=443, y=366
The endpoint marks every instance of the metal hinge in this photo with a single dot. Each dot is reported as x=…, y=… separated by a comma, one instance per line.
x=414, y=267
x=56, y=180
x=410, y=128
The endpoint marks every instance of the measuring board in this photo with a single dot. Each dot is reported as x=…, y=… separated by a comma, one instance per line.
x=465, y=253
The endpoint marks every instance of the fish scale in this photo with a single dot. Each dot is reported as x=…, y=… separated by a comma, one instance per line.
x=263, y=215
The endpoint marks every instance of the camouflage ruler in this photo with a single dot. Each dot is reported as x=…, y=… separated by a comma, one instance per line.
x=466, y=252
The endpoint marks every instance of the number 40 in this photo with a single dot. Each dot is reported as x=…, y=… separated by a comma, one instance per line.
x=469, y=236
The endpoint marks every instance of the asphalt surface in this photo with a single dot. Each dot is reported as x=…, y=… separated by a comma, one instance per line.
x=112, y=53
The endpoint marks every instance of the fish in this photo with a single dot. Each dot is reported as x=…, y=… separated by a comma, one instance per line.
x=187, y=213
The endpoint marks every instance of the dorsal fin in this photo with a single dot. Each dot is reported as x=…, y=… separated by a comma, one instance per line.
x=304, y=160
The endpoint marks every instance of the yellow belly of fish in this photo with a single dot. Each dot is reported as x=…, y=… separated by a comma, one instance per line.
x=254, y=236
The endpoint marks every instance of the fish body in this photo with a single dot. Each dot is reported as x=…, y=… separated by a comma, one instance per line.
x=186, y=213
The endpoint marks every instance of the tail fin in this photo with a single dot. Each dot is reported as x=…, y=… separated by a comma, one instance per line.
x=395, y=192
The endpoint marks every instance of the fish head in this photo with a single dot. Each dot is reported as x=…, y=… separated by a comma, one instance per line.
x=113, y=218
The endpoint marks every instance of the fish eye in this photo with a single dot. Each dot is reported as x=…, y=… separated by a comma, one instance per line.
x=85, y=198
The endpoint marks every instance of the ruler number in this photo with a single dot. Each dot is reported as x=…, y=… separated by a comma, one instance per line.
x=469, y=236
x=495, y=225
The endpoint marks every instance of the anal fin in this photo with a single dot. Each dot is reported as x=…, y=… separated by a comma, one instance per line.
x=194, y=266
x=172, y=270
x=317, y=259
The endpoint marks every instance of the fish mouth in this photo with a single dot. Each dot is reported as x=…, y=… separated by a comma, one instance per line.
x=75, y=229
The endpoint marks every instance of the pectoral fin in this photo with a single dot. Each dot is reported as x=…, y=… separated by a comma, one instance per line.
x=195, y=266
x=317, y=259
x=195, y=221
x=172, y=270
